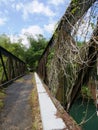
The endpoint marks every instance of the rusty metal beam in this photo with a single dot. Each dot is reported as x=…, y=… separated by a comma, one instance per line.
x=67, y=22
x=3, y=66
x=13, y=68
x=8, y=54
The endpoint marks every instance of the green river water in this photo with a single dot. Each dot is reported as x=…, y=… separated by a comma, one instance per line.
x=78, y=112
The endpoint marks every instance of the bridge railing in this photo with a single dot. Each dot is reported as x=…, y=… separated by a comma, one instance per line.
x=11, y=67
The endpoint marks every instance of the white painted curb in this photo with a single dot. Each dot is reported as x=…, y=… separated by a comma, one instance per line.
x=48, y=111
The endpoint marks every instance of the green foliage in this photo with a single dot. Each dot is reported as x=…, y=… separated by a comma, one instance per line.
x=75, y=6
x=86, y=92
x=50, y=56
x=80, y=44
x=2, y=95
x=74, y=1
x=1, y=104
x=92, y=25
x=17, y=49
x=35, y=51
x=5, y=41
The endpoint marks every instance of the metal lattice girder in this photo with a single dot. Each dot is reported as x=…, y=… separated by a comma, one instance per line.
x=12, y=67
x=66, y=24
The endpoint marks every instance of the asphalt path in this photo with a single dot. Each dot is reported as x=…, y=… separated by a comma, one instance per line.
x=17, y=111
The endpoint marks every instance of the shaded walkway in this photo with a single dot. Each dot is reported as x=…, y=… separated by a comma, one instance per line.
x=17, y=113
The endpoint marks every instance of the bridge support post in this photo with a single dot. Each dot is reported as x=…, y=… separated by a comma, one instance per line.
x=3, y=66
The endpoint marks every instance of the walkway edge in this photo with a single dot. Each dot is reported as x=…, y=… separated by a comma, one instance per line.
x=48, y=110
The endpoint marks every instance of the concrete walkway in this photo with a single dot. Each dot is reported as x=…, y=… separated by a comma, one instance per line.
x=48, y=111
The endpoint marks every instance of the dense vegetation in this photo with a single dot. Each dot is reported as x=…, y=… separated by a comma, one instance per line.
x=35, y=50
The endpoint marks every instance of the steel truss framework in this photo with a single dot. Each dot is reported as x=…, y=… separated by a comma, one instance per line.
x=11, y=67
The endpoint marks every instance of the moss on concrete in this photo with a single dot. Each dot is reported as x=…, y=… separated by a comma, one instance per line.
x=2, y=95
x=37, y=123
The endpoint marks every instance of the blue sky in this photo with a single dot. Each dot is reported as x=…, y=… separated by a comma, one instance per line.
x=18, y=17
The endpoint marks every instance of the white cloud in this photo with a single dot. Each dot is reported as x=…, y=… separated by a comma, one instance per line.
x=19, y=6
x=2, y=21
x=50, y=27
x=56, y=2
x=15, y=39
x=33, y=30
x=34, y=7
x=25, y=41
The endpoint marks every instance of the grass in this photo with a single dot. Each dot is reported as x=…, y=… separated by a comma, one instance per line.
x=19, y=80
x=1, y=104
x=2, y=95
x=37, y=123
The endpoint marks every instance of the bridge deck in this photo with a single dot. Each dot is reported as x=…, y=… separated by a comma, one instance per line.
x=17, y=114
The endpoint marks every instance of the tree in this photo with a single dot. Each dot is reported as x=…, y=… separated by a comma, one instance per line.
x=5, y=41
x=18, y=49
x=34, y=52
